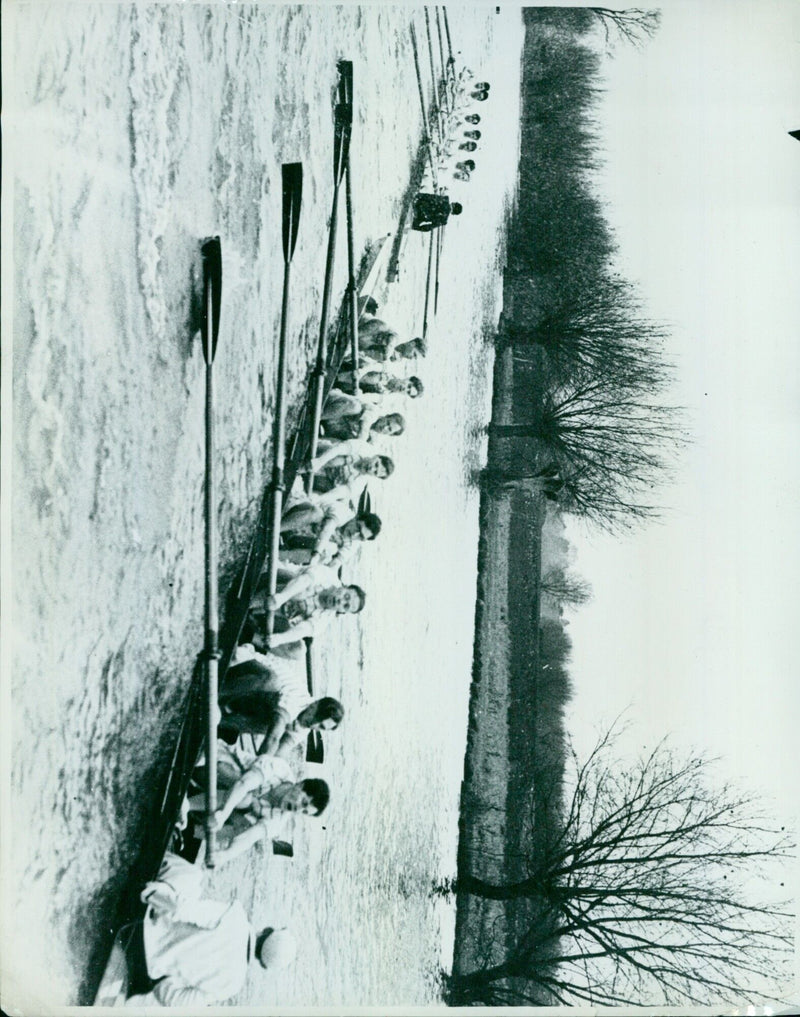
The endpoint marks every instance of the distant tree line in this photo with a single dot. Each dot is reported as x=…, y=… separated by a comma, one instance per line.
x=541, y=690
x=598, y=414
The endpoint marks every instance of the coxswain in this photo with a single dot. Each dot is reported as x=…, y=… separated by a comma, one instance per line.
x=433, y=210
x=196, y=951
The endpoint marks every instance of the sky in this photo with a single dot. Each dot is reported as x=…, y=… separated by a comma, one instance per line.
x=693, y=629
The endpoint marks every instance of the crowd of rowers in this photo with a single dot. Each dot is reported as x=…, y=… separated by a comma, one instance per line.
x=432, y=210
x=266, y=709
x=193, y=951
x=265, y=696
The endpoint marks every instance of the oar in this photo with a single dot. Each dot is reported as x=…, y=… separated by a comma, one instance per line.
x=433, y=77
x=182, y=743
x=364, y=502
x=346, y=69
x=428, y=285
x=212, y=293
x=342, y=123
x=292, y=198
x=439, y=245
x=451, y=63
x=426, y=138
x=443, y=82
x=315, y=752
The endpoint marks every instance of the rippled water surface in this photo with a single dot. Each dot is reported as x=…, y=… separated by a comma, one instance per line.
x=136, y=131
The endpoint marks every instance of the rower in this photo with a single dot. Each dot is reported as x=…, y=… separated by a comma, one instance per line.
x=376, y=339
x=343, y=468
x=267, y=695
x=374, y=380
x=464, y=169
x=307, y=603
x=312, y=532
x=261, y=802
x=433, y=210
x=414, y=347
x=347, y=416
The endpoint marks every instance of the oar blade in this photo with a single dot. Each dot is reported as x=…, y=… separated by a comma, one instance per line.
x=346, y=82
x=308, y=640
x=315, y=751
x=342, y=120
x=292, y=199
x=342, y=126
x=364, y=503
x=212, y=296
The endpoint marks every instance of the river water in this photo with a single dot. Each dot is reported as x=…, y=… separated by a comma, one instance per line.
x=134, y=132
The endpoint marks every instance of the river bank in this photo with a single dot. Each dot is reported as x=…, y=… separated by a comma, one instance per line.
x=495, y=823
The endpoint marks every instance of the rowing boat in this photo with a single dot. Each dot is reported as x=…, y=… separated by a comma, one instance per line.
x=113, y=988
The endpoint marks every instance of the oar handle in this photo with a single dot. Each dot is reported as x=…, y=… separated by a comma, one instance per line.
x=439, y=243
x=212, y=622
x=280, y=395
x=212, y=711
x=274, y=551
x=450, y=59
x=319, y=392
x=315, y=750
x=433, y=78
x=322, y=341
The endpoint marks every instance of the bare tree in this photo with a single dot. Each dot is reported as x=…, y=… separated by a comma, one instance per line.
x=566, y=587
x=610, y=443
x=644, y=894
x=634, y=25
x=613, y=445
x=598, y=327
